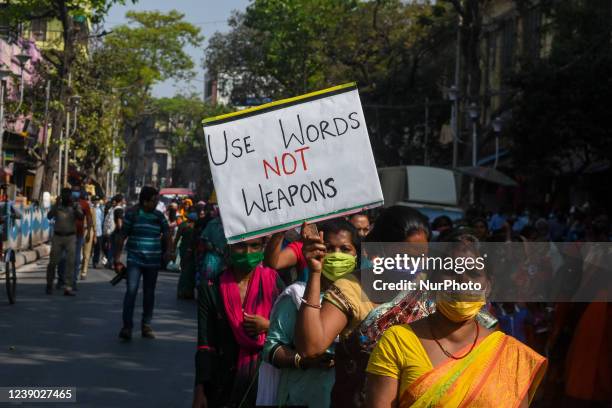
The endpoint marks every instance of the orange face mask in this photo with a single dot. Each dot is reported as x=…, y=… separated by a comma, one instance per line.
x=455, y=308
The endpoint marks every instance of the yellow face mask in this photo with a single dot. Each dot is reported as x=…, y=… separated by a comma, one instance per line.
x=454, y=307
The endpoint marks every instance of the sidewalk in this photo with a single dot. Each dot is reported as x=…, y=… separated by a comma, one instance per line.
x=31, y=255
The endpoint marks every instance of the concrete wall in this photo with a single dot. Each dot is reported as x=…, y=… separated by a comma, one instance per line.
x=32, y=230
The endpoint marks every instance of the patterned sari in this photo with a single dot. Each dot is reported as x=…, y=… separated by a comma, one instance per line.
x=499, y=372
x=353, y=351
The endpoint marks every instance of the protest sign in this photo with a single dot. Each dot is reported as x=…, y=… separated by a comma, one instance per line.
x=279, y=164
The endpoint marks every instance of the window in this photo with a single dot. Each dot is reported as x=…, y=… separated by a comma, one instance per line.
x=150, y=145
x=162, y=162
x=493, y=38
x=532, y=24
x=508, y=44
x=39, y=29
x=9, y=30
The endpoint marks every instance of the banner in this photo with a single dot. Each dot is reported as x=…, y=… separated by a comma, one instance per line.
x=279, y=164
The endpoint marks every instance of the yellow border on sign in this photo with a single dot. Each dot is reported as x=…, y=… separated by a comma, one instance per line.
x=280, y=102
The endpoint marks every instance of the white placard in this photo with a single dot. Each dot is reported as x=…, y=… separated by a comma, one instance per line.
x=304, y=158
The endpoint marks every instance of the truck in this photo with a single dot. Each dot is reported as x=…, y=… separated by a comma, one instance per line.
x=431, y=190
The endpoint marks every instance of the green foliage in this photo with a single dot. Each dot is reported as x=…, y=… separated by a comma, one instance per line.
x=299, y=47
x=293, y=39
x=395, y=50
x=180, y=120
x=184, y=115
x=26, y=10
x=99, y=115
x=114, y=82
x=147, y=50
x=561, y=119
x=151, y=45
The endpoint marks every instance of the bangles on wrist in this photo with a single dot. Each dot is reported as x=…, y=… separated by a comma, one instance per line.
x=297, y=360
x=305, y=302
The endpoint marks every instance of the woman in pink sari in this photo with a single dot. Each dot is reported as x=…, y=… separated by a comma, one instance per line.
x=233, y=313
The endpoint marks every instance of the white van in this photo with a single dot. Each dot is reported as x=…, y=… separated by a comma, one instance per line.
x=431, y=190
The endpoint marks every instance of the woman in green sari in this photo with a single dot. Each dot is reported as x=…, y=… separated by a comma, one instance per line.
x=305, y=382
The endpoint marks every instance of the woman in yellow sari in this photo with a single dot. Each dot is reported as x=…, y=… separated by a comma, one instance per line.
x=447, y=359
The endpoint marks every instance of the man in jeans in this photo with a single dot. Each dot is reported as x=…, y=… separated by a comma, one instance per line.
x=66, y=214
x=145, y=228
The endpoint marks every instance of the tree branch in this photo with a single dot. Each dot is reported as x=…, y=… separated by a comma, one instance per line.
x=457, y=6
x=38, y=16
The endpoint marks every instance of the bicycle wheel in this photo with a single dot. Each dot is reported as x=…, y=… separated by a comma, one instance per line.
x=11, y=280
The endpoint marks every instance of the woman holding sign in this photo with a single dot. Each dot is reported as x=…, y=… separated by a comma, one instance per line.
x=346, y=311
x=233, y=313
x=307, y=382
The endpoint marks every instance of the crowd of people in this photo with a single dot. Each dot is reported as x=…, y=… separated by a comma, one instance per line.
x=321, y=342
x=283, y=320
x=84, y=231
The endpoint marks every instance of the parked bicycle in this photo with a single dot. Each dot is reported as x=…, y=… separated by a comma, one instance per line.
x=8, y=213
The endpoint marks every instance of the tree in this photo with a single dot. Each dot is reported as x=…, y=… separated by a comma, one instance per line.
x=184, y=115
x=99, y=116
x=147, y=50
x=73, y=15
x=395, y=50
x=560, y=113
x=238, y=54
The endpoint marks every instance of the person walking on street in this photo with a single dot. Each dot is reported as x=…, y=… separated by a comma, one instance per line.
x=98, y=215
x=90, y=237
x=148, y=242
x=185, y=243
x=84, y=229
x=109, y=228
x=66, y=213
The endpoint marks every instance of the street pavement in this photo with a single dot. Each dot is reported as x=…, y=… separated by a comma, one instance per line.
x=55, y=340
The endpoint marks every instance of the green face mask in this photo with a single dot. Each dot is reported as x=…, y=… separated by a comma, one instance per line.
x=246, y=262
x=338, y=264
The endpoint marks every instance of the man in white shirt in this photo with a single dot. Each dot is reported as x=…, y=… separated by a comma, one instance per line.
x=109, y=227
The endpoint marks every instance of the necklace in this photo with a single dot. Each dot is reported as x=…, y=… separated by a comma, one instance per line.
x=446, y=352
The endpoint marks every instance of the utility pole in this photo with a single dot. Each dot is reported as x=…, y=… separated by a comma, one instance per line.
x=111, y=177
x=59, y=163
x=37, y=191
x=74, y=103
x=455, y=115
x=66, y=137
x=1, y=120
x=46, y=122
x=112, y=171
x=63, y=180
x=474, y=112
x=204, y=96
x=426, y=141
x=5, y=72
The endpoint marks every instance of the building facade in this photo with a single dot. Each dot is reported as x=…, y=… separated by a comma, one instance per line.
x=148, y=160
x=20, y=133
